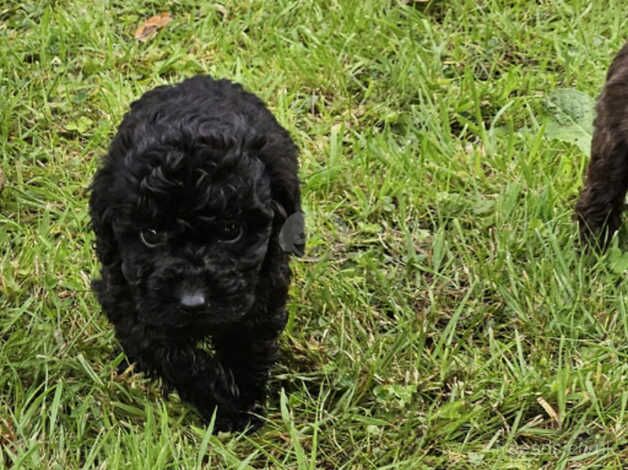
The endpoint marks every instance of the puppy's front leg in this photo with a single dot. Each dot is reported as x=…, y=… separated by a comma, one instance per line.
x=249, y=352
x=601, y=203
x=198, y=378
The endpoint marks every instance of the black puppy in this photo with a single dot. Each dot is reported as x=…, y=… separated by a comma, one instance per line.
x=196, y=210
x=601, y=202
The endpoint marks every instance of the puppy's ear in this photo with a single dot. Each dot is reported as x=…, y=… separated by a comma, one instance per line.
x=279, y=155
x=101, y=214
x=292, y=232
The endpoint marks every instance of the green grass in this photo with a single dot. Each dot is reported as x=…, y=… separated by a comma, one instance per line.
x=442, y=303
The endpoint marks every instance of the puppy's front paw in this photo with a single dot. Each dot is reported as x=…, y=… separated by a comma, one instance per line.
x=224, y=386
x=236, y=423
x=231, y=415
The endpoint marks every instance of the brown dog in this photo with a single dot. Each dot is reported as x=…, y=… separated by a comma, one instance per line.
x=601, y=202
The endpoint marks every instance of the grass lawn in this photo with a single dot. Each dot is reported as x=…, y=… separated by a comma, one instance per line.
x=442, y=317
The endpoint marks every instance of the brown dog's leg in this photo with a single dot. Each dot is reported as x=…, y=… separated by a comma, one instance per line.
x=601, y=202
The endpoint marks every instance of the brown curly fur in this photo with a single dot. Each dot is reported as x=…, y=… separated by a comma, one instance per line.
x=601, y=202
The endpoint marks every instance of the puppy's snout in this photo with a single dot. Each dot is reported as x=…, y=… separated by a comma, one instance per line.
x=193, y=299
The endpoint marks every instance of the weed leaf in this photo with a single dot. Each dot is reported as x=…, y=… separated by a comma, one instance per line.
x=570, y=118
x=618, y=260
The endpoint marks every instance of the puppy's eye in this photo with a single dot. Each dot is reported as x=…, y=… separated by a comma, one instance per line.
x=229, y=231
x=152, y=238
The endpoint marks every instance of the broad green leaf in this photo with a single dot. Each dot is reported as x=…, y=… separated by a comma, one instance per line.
x=618, y=260
x=80, y=125
x=570, y=117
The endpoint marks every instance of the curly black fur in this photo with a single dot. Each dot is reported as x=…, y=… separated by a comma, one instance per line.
x=187, y=208
x=601, y=202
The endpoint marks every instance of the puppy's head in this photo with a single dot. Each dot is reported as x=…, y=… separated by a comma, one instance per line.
x=187, y=216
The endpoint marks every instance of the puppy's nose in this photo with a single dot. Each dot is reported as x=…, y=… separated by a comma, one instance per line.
x=192, y=299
